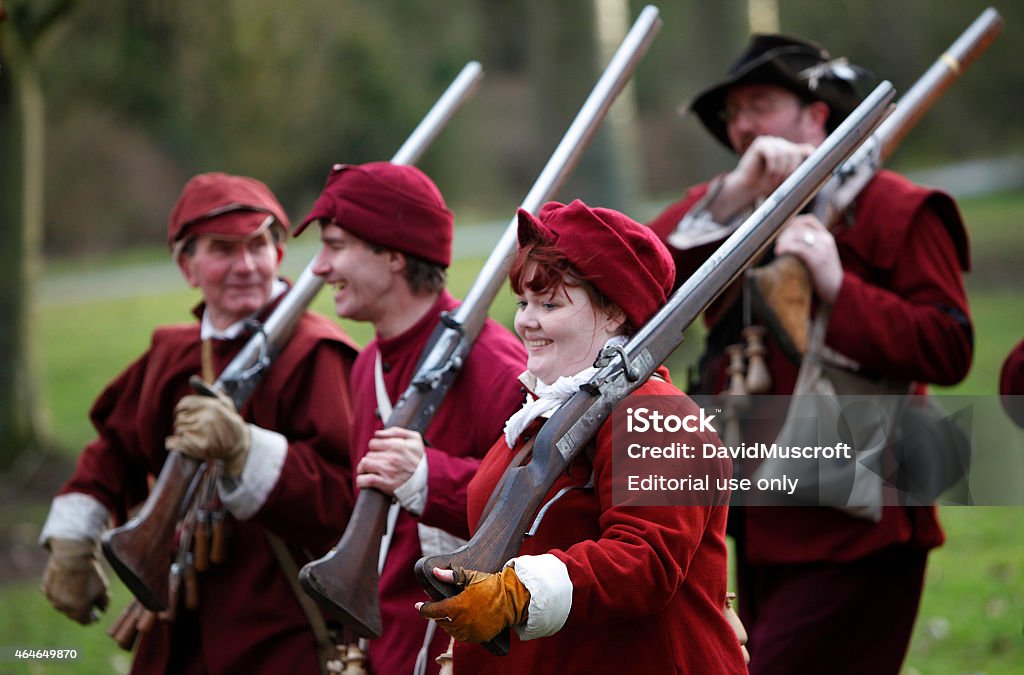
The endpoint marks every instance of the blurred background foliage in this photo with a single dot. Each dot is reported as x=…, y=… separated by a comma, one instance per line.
x=141, y=94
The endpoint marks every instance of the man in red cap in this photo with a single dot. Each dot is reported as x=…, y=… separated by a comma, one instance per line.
x=822, y=590
x=386, y=235
x=285, y=489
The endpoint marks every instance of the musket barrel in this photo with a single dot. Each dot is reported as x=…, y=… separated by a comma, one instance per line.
x=971, y=44
x=460, y=90
x=562, y=161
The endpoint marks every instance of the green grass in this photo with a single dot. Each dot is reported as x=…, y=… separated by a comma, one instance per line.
x=972, y=613
x=973, y=609
x=28, y=621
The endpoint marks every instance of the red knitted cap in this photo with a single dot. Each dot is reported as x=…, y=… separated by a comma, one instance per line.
x=391, y=205
x=622, y=258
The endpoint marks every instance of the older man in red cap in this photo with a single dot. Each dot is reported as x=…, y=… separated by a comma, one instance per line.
x=286, y=483
x=387, y=235
x=820, y=589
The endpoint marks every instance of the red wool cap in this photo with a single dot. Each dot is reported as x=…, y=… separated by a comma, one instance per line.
x=622, y=258
x=223, y=205
x=390, y=205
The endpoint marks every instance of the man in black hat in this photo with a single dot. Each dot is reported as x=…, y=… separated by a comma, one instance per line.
x=822, y=590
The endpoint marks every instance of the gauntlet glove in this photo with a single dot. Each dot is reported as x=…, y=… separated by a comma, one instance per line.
x=209, y=428
x=488, y=604
x=73, y=581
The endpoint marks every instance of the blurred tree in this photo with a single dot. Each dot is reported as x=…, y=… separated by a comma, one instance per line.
x=569, y=47
x=22, y=172
x=143, y=93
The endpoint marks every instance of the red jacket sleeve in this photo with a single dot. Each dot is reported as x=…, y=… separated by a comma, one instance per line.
x=112, y=468
x=312, y=409
x=645, y=553
x=910, y=321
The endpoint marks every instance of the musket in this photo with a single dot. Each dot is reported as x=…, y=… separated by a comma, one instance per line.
x=346, y=580
x=621, y=370
x=841, y=191
x=141, y=550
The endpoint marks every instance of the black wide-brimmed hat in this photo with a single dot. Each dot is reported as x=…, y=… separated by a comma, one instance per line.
x=801, y=66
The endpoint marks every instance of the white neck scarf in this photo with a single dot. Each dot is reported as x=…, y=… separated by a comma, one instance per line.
x=544, y=399
x=207, y=331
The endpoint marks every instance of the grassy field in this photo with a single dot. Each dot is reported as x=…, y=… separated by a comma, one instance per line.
x=973, y=610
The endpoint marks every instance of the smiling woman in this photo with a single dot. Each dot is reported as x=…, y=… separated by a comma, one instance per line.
x=585, y=278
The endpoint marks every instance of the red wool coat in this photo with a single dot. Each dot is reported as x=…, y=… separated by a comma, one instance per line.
x=902, y=310
x=249, y=620
x=649, y=582
x=485, y=394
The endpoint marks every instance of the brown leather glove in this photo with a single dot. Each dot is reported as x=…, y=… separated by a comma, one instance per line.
x=73, y=581
x=488, y=604
x=208, y=428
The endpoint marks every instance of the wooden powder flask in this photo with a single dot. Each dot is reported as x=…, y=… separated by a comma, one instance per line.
x=201, y=541
x=446, y=659
x=737, y=626
x=736, y=371
x=349, y=660
x=219, y=543
x=355, y=660
x=736, y=400
x=759, y=380
x=191, y=582
x=125, y=629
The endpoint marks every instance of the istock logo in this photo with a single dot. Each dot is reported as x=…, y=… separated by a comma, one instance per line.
x=642, y=419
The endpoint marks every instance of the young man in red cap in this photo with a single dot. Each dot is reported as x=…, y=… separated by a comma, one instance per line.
x=821, y=590
x=286, y=463
x=387, y=236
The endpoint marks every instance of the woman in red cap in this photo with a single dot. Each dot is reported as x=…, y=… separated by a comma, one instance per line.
x=599, y=586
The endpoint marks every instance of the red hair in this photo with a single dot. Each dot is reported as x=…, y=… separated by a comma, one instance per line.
x=550, y=271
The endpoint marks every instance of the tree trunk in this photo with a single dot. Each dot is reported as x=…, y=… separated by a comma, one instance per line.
x=22, y=136
x=567, y=54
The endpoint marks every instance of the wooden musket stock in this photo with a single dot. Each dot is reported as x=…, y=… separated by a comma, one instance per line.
x=346, y=580
x=499, y=537
x=141, y=550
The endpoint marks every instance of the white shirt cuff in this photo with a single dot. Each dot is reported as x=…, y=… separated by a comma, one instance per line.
x=267, y=452
x=75, y=515
x=547, y=579
x=412, y=494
